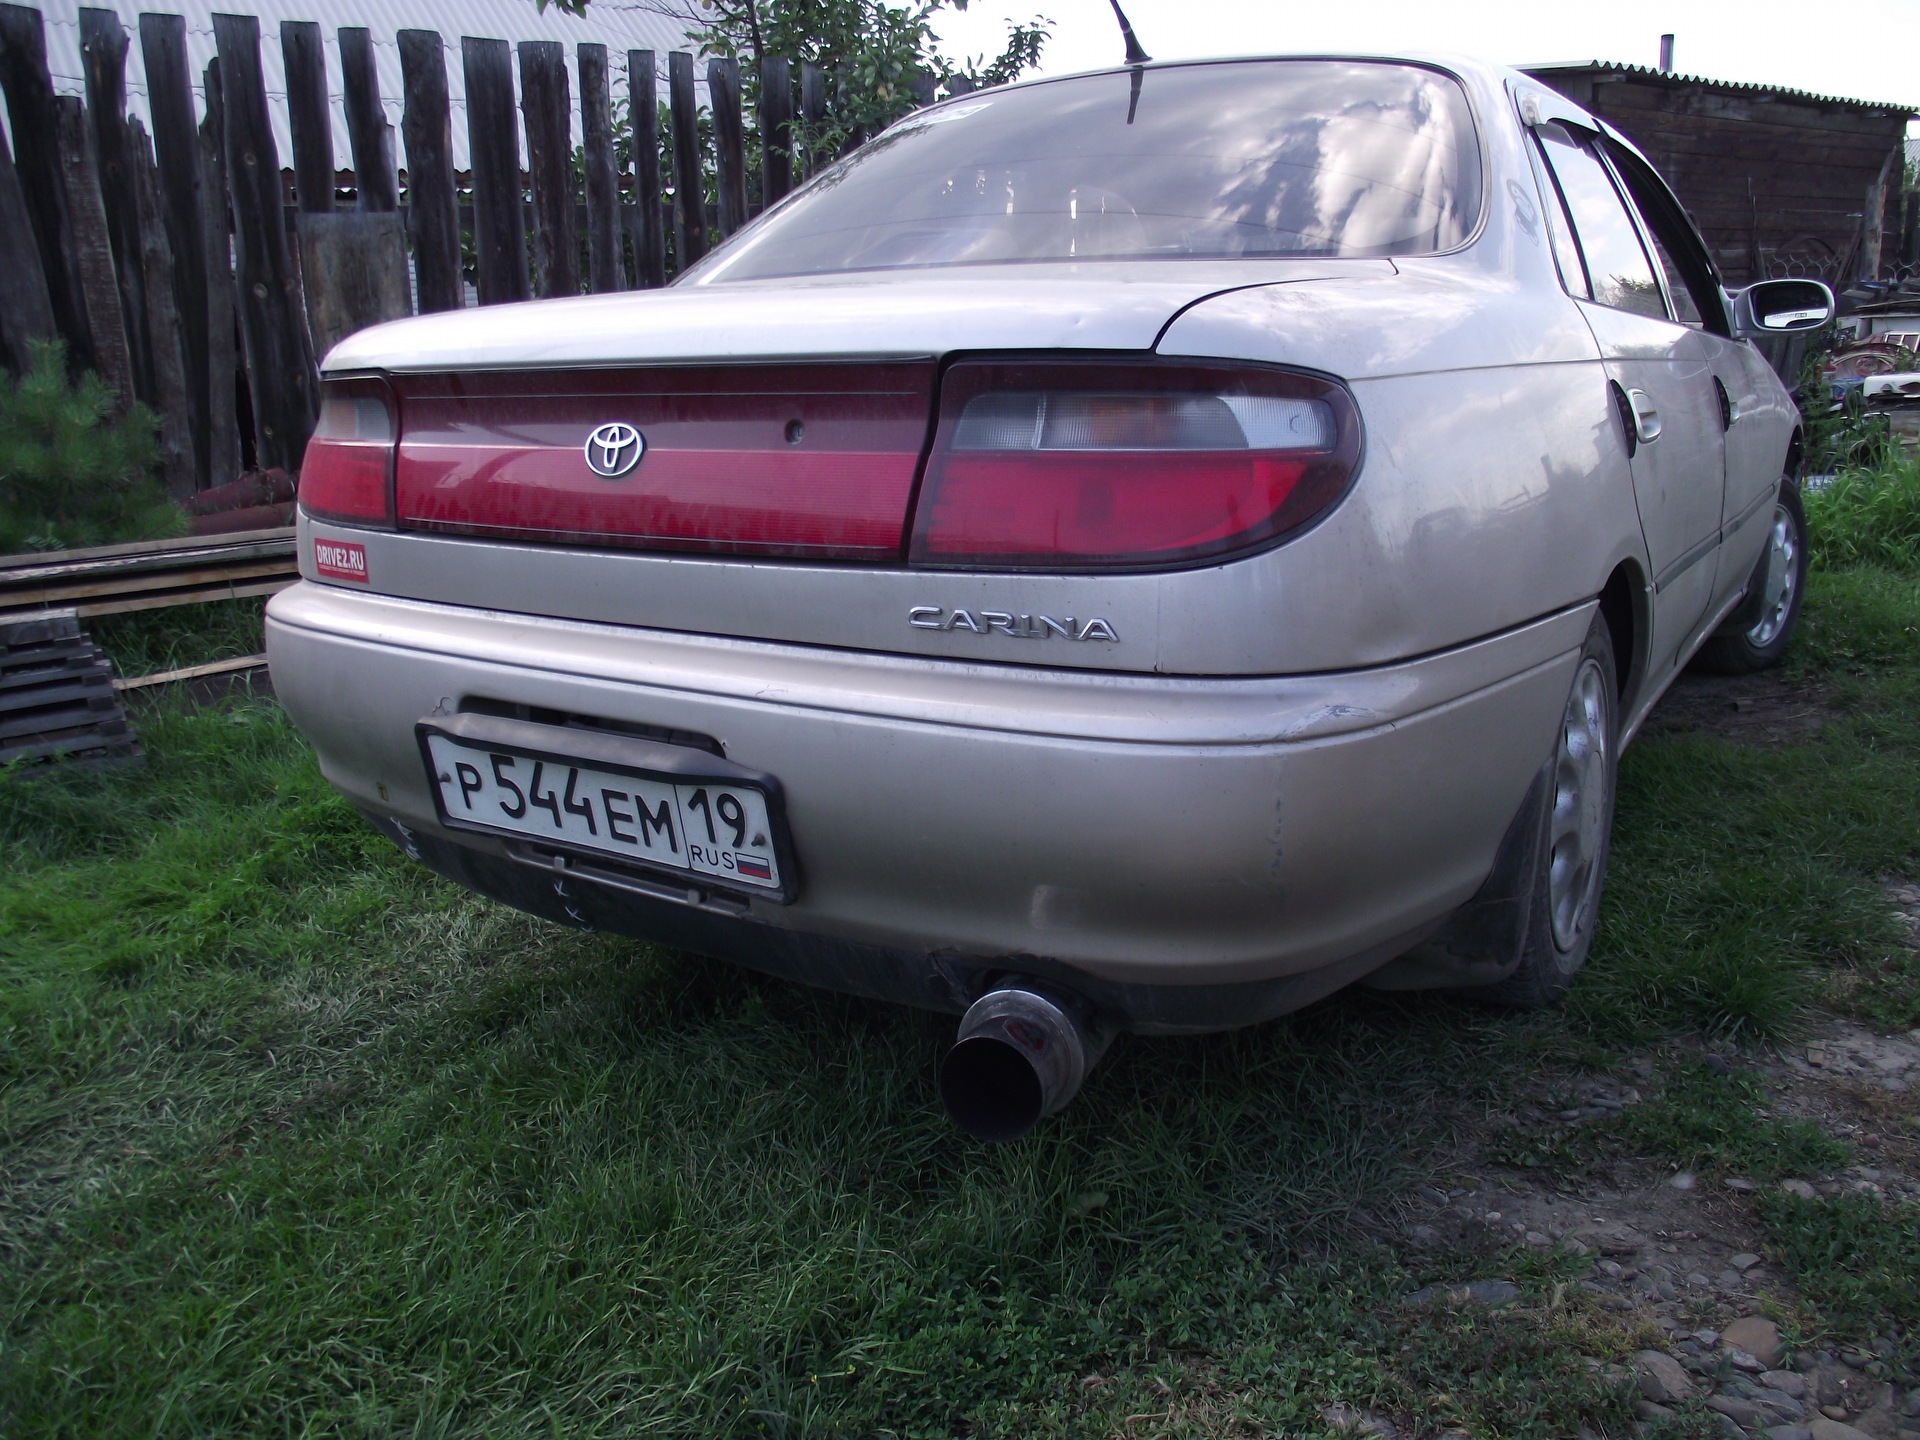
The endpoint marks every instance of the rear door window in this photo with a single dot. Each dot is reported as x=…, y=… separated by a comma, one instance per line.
x=1619, y=273
x=1693, y=283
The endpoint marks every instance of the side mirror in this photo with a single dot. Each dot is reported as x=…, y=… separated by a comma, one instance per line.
x=1780, y=307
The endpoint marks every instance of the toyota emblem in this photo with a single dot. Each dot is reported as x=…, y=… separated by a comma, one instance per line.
x=614, y=449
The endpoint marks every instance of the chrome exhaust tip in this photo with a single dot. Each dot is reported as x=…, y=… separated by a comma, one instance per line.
x=1020, y=1056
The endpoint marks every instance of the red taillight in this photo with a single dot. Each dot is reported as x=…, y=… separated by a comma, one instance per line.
x=812, y=462
x=347, y=472
x=1108, y=465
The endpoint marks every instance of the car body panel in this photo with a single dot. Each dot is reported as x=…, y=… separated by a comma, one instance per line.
x=1678, y=475
x=1473, y=485
x=1256, y=828
x=1107, y=306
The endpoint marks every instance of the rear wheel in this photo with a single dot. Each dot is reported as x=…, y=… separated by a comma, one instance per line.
x=1576, y=829
x=1755, y=637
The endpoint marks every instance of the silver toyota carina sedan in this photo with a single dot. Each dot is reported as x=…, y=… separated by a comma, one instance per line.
x=1138, y=551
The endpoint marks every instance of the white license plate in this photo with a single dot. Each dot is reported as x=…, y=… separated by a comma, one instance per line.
x=704, y=827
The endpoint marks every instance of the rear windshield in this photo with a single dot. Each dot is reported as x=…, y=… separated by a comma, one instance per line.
x=1232, y=160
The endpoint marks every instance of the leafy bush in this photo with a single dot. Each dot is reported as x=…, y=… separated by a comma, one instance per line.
x=70, y=473
x=1868, y=516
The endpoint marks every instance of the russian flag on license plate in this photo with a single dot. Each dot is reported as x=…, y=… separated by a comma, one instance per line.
x=758, y=869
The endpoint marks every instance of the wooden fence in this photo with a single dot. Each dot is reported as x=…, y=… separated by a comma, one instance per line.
x=194, y=274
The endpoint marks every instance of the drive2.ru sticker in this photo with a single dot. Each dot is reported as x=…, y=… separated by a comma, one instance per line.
x=340, y=560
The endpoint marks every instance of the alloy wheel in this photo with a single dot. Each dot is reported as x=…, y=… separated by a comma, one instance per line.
x=1579, y=824
x=1780, y=581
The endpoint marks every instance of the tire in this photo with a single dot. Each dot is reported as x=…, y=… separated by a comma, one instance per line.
x=1756, y=636
x=1575, y=836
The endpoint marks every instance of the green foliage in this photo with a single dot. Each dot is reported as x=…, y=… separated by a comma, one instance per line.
x=176, y=636
x=873, y=53
x=1855, y=1259
x=1840, y=431
x=1863, y=622
x=71, y=475
x=1704, y=1121
x=1697, y=1120
x=1869, y=515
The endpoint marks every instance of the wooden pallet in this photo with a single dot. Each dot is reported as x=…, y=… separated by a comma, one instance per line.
x=117, y=578
x=57, y=700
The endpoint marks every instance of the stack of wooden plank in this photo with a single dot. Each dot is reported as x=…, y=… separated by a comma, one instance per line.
x=148, y=574
x=57, y=700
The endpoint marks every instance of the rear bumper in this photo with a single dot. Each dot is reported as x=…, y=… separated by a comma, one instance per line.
x=1126, y=830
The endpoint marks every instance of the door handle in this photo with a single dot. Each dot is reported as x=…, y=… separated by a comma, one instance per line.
x=1646, y=416
x=1624, y=410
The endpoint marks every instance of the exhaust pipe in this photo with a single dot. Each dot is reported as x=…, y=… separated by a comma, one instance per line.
x=1020, y=1056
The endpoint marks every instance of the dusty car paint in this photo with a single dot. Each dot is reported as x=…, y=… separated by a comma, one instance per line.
x=1279, y=771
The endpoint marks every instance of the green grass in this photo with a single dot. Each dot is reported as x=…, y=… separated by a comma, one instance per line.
x=1854, y=1258
x=1747, y=880
x=1869, y=515
x=1704, y=1121
x=296, y=1139
x=1694, y=1119
x=146, y=642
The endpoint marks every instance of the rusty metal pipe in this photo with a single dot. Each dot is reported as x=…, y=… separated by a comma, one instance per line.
x=1020, y=1056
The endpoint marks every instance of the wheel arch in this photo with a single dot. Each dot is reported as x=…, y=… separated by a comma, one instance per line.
x=1628, y=613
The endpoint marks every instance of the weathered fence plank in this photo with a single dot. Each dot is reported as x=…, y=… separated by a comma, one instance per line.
x=776, y=129
x=92, y=249
x=499, y=224
x=433, y=212
x=177, y=466
x=163, y=46
x=279, y=366
x=309, y=115
x=353, y=266
x=813, y=109
x=103, y=58
x=367, y=129
x=689, y=186
x=729, y=142
x=199, y=211
x=604, y=268
x=26, y=314
x=649, y=233
x=36, y=153
x=224, y=376
x=546, y=109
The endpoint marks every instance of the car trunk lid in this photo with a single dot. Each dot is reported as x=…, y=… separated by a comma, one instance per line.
x=775, y=420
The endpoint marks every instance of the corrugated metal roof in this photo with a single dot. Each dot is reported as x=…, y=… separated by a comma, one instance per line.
x=1648, y=72
x=620, y=25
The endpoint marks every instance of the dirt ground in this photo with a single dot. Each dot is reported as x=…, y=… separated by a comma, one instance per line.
x=1746, y=709
x=1684, y=1251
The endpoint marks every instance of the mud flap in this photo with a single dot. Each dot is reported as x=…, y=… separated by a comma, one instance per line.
x=1484, y=939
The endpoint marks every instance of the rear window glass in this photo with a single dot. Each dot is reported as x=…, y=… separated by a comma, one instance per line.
x=1242, y=159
